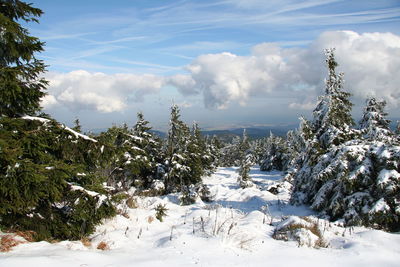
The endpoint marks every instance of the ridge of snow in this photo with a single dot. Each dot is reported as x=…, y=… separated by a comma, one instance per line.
x=77, y=135
x=26, y=117
x=43, y=120
x=385, y=175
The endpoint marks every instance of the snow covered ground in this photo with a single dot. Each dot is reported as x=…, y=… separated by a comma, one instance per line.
x=234, y=230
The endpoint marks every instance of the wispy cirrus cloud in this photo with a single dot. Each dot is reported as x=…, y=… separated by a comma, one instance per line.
x=146, y=31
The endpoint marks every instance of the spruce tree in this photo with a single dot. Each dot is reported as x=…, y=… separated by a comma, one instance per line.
x=330, y=127
x=276, y=156
x=21, y=86
x=245, y=164
x=374, y=125
x=144, y=153
x=332, y=120
x=177, y=155
x=344, y=174
x=77, y=126
x=48, y=172
x=245, y=161
x=48, y=180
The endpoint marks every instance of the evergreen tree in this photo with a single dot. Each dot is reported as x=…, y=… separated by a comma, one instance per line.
x=178, y=158
x=197, y=153
x=276, y=156
x=345, y=176
x=21, y=87
x=246, y=160
x=332, y=117
x=374, y=125
x=144, y=153
x=244, y=178
x=77, y=126
x=48, y=181
x=330, y=127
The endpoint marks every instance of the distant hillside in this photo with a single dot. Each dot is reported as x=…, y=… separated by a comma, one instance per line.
x=228, y=134
x=253, y=132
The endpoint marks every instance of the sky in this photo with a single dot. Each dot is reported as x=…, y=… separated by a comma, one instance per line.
x=226, y=63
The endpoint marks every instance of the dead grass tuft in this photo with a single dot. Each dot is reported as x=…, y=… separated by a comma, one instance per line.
x=150, y=219
x=86, y=242
x=103, y=246
x=27, y=235
x=286, y=233
x=132, y=203
x=8, y=241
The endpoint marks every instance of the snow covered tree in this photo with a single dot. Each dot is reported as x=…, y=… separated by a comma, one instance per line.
x=48, y=181
x=330, y=127
x=134, y=156
x=230, y=153
x=178, y=172
x=332, y=120
x=244, y=178
x=21, y=87
x=374, y=125
x=48, y=172
x=245, y=161
x=275, y=155
x=213, y=155
x=342, y=174
x=142, y=154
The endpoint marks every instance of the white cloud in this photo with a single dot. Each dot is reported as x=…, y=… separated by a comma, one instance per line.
x=49, y=101
x=295, y=76
x=98, y=91
x=370, y=61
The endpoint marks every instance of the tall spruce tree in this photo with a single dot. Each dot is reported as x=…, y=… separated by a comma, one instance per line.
x=330, y=127
x=21, y=86
x=332, y=117
x=177, y=155
x=48, y=177
x=342, y=173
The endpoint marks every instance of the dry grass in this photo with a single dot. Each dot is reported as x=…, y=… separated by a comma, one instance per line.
x=27, y=235
x=132, y=203
x=313, y=228
x=150, y=219
x=8, y=241
x=86, y=242
x=103, y=246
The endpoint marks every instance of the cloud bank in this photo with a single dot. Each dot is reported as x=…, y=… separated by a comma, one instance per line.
x=104, y=93
x=370, y=62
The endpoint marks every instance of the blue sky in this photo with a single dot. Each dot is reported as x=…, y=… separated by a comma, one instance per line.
x=225, y=62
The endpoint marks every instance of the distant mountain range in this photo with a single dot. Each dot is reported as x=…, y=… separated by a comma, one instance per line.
x=254, y=132
x=227, y=135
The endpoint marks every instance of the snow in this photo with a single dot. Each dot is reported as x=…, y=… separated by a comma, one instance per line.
x=385, y=175
x=79, y=188
x=380, y=206
x=43, y=120
x=76, y=134
x=233, y=230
